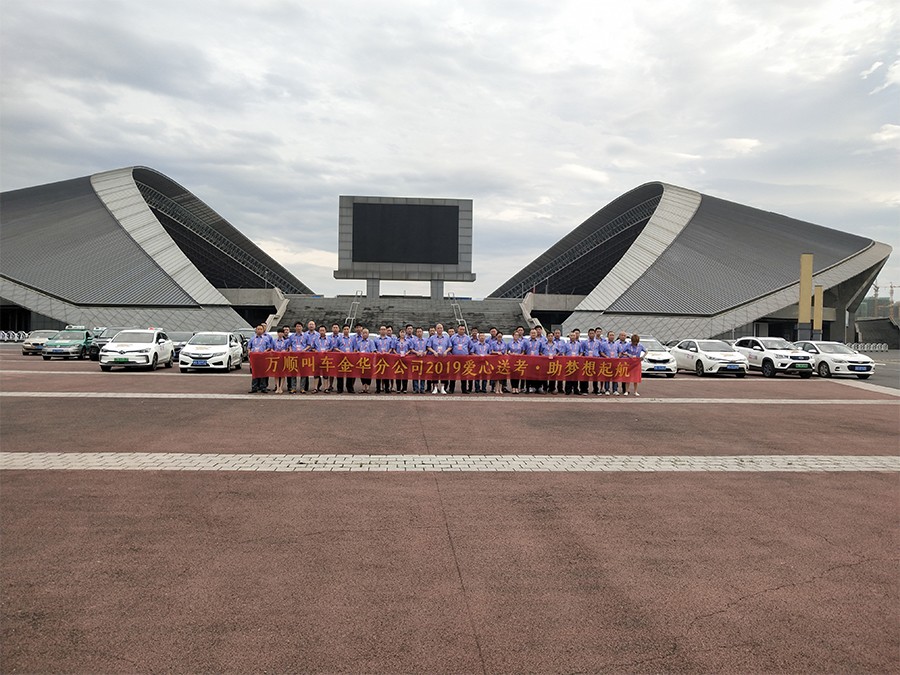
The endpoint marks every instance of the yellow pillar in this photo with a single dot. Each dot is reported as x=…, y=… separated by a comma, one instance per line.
x=804, y=318
x=818, y=299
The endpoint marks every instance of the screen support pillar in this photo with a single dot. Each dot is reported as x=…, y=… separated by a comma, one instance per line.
x=437, y=289
x=373, y=288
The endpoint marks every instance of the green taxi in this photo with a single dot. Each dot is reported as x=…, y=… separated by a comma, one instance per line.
x=72, y=341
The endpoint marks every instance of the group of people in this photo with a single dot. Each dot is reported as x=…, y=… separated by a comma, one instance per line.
x=435, y=341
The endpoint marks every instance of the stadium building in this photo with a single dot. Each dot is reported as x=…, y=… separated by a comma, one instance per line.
x=670, y=262
x=130, y=247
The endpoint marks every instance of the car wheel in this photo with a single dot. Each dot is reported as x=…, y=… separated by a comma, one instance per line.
x=740, y=374
x=171, y=361
x=184, y=370
x=768, y=369
x=670, y=374
x=228, y=365
x=698, y=368
x=806, y=375
x=82, y=354
x=154, y=363
x=46, y=358
x=824, y=370
x=105, y=369
x=863, y=377
x=240, y=364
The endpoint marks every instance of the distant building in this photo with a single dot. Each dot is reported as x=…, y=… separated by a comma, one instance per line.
x=129, y=247
x=670, y=262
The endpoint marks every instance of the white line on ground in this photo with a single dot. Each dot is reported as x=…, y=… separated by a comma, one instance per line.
x=393, y=398
x=159, y=461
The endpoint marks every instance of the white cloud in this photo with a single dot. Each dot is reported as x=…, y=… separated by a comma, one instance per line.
x=540, y=112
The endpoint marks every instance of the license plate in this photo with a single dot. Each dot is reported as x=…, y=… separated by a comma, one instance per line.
x=121, y=360
x=732, y=366
x=859, y=367
x=801, y=365
x=198, y=363
x=659, y=367
x=58, y=351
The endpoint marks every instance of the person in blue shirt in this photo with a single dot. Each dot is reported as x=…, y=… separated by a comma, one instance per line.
x=633, y=350
x=401, y=347
x=365, y=345
x=332, y=341
x=344, y=344
x=261, y=342
x=517, y=346
x=298, y=344
x=534, y=346
x=384, y=344
x=481, y=347
x=438, y=345
x=591, y=347
x=608, y=350
x=321, y=344
x=282, y=343
x=498, y=346
x=553, y=348
x=459, y=346
x=418, y=347
x=574, y=348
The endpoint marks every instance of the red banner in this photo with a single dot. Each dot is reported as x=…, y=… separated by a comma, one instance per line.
x=493, y=367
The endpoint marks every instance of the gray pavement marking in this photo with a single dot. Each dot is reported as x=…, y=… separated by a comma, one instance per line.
x=173, y=461
x=865, y=386
x=393, y=398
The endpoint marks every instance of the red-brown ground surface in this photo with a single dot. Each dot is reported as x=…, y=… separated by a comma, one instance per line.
x=118, y=571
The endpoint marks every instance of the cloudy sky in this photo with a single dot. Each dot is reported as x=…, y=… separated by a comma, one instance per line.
x=542, y=112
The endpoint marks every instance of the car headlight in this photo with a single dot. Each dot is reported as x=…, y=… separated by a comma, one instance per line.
x=840, y=360
x=144, y=351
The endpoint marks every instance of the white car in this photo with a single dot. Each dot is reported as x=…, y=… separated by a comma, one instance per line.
x=708, y=357
x=137, y=349
x=836, y=358
x=657, y=359
x=773, y=355
x=211, y=351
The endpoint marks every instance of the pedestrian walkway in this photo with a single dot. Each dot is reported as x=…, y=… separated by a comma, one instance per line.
x=173, y=461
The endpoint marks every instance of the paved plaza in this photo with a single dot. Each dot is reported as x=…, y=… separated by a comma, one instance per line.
x=169, y=522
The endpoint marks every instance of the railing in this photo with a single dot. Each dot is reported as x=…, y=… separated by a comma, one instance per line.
x=457, y=312
x=188, y=220
x=601, y=235
x=354, y=308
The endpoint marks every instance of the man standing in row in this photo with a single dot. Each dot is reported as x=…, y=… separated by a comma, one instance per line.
x=261, y=342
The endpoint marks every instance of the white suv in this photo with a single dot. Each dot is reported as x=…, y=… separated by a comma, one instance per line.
x=138, y=349
x=773, y=355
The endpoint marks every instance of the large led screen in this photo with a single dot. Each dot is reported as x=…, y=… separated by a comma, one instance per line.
x=406, y=233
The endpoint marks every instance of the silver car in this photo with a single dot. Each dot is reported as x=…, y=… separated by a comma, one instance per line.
x=34, y=342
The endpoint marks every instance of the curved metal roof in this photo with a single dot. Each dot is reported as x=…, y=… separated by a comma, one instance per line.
x=129, y=237
x=728, y=254
x=61, y=239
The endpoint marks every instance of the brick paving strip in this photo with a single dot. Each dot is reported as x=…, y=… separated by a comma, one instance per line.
x=173, y=461
x=372, y=398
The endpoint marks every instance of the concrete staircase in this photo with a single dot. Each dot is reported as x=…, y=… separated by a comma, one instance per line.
x=398, y=311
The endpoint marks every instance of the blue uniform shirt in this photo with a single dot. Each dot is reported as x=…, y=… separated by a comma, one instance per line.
x=459, y=344
x=516, y=346
x=498, y=346
x=635, y=351
x=482, y=348
x=417, y=344
x=591, y=348
x=282, y=344
x=261, y=343
x=402, y=347
x=384, y=345
x=363, y=345
x=440, y=345
x=343, y=344
x=535, y=347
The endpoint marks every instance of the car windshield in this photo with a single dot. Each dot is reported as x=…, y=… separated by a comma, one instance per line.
x=246, y=332
x=110, y=332
x=134, y=336
x=652, y=345
x=69, y=335
x=776, y=343
x=43, y=333
x=714, y=346
x=180, y=336
x=834, y=348
x=208, y=339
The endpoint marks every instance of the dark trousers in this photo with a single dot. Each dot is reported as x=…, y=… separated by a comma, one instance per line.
x=292, y=384
x=260, y=384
